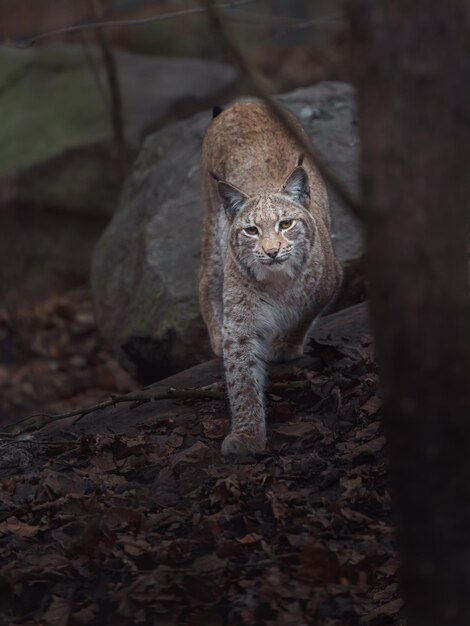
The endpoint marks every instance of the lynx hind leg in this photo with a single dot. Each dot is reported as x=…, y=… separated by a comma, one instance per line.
x=245, y=376
x=215, y=336
x=283, y=351
x=212, y=313
x=212, y=310
x=289, y=346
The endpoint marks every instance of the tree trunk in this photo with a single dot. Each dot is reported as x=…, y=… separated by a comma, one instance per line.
x=412, y=63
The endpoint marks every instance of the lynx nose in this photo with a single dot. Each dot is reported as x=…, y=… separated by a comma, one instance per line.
x=271, y=252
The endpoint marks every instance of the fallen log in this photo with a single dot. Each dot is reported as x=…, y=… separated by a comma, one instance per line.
x=179, y=395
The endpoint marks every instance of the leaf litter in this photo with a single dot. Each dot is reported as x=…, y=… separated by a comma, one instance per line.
x=157, y=528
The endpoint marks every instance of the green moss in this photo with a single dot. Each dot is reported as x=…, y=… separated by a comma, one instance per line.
x=48, y=103
x=179, y=317
x=142, y=309
x=150, y=315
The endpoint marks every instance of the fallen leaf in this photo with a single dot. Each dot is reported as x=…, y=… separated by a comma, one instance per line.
x=215, y=428
x=208, y=563
x=249, y=538
x=58, y=612
x=371, y=448
x=372, y=405
x=13, y=527
x=295, y=429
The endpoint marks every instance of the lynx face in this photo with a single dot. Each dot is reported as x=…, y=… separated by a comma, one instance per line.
x=270, y=233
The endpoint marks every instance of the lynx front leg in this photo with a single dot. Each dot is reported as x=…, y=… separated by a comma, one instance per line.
x=245, y=375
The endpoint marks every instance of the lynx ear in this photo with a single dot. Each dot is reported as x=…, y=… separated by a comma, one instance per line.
x=297, y=186
x=232, y=198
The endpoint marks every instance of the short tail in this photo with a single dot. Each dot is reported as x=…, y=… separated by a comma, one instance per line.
x=217, y=110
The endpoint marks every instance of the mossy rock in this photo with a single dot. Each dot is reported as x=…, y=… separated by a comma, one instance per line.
x=50, y=103
x=59, y=167
x=51, y=109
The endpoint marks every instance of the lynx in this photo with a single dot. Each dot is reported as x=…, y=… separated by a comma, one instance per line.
x=267, y=263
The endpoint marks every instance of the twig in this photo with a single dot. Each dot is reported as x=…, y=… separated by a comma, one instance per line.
x=260, y=87
x=95, y=73
x=261, y=20
x=289, y=385
x=140, y=397
x=115, y=105
x=82, y=26
x=4, y=442
x=210, y=392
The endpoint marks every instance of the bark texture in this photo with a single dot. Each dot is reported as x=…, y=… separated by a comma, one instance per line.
x=413, y=75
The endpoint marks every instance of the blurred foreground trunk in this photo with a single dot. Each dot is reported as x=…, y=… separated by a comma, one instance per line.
x=413, y=75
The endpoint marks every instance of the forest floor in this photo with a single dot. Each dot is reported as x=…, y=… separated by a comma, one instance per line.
x=154, y=527
x=52, y=358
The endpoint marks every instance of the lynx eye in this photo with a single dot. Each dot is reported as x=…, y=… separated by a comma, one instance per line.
x=286, y=224
x=251, y=231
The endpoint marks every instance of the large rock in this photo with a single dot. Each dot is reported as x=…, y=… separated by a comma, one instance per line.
x=145, y=267
x=59, y=172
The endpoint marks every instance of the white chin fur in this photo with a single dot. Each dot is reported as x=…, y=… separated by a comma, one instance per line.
x=265, y=272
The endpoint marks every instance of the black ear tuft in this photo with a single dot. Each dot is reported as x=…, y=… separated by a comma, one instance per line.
x=232, y=198
x=297, y=186
x=214, y=176
x=300, y=160
x=216, y=110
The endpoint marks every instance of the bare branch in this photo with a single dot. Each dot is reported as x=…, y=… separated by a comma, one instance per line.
x=262, y=90
x=82, y=26
x=262, y=20
x=115, y=105
x=215, y=391
x=95, y=73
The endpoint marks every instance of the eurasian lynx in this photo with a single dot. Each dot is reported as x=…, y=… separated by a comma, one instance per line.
x=267, y=263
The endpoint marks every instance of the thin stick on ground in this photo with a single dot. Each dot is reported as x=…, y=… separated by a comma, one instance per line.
x=261, y=89
x=210, y=392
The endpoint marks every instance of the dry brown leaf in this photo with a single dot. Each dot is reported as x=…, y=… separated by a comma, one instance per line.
x=208, y=563
x=215, y=428
x=372, y=405
x=295, y=429
x=372, y=447
x=58, y=612
x=249, y=538
x=14, y=527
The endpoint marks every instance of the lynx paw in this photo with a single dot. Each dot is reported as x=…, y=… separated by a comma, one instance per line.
x=282, y=352
x=242, y=444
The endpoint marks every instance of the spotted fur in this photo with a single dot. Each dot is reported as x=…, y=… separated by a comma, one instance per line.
x=260, y=292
